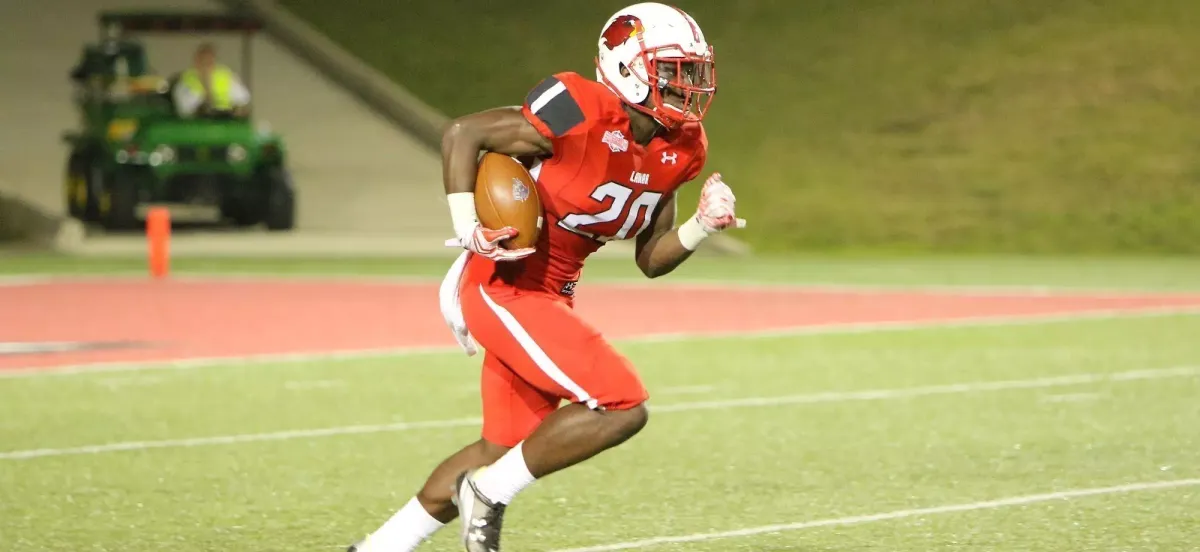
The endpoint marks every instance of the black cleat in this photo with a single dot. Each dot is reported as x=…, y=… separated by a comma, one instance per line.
x=354, y=547
x=481, y=519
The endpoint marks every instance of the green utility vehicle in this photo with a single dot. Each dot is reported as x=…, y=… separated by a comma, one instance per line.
x=133, y=148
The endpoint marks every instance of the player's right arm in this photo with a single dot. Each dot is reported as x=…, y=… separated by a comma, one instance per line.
x=550, y=115
x=501, y=130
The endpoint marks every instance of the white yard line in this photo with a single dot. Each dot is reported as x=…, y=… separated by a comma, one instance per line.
x=746, y=402
x=1071, y=397
x=301, y=385
x=234, y=439
x=207, y=362
x=813, y=330
x=686, y=390
x=122, y=381
x=888, y=516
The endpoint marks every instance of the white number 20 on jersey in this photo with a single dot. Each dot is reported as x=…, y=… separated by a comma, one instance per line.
x=646, y=201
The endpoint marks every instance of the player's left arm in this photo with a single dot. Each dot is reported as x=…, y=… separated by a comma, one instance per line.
x=665, y=247
x=659, y=251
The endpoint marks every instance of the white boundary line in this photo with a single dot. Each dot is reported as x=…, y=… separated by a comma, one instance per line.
x=682, y=283
x=814, y=330
x=888, y=516
x=746, y=402
x=23, y=280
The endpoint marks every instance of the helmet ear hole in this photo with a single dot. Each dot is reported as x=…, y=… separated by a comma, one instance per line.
x=625, y=72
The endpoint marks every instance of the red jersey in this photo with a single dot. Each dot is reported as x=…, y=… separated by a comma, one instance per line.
x=597, y=186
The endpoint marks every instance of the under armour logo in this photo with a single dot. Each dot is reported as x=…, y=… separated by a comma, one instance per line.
x=670, y=158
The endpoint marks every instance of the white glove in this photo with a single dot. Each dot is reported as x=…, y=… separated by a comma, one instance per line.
x=715, y=212
x=485, y=242
x=475, y=238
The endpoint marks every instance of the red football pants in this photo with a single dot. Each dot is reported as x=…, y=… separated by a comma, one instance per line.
x=539, y=352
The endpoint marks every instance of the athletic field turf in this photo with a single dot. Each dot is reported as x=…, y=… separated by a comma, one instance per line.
x=839, y=405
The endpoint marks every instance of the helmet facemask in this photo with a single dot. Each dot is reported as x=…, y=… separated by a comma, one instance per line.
x=681, y=85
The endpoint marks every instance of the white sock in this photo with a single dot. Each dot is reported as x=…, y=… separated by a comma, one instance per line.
x=501, y=481
x=407, y=529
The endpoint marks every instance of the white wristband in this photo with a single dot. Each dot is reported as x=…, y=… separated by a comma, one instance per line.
x=691, y=233
x=462, y=213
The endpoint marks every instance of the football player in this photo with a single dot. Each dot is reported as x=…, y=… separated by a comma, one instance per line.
x=608, y=156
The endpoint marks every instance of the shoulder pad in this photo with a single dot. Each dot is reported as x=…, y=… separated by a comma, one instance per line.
x=554, y=104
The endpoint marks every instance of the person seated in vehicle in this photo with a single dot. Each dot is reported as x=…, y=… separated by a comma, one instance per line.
x=210, y=89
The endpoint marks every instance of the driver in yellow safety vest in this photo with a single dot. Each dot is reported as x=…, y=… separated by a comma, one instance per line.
x=210, y=85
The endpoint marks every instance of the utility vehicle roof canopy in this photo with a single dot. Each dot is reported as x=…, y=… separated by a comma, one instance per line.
x=131, y=21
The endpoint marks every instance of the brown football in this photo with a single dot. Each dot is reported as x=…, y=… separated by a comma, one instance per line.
x=505, y=195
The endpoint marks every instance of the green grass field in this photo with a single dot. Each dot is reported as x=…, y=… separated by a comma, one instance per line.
x=947, y=125
x=716, y=469
x=887, y=440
